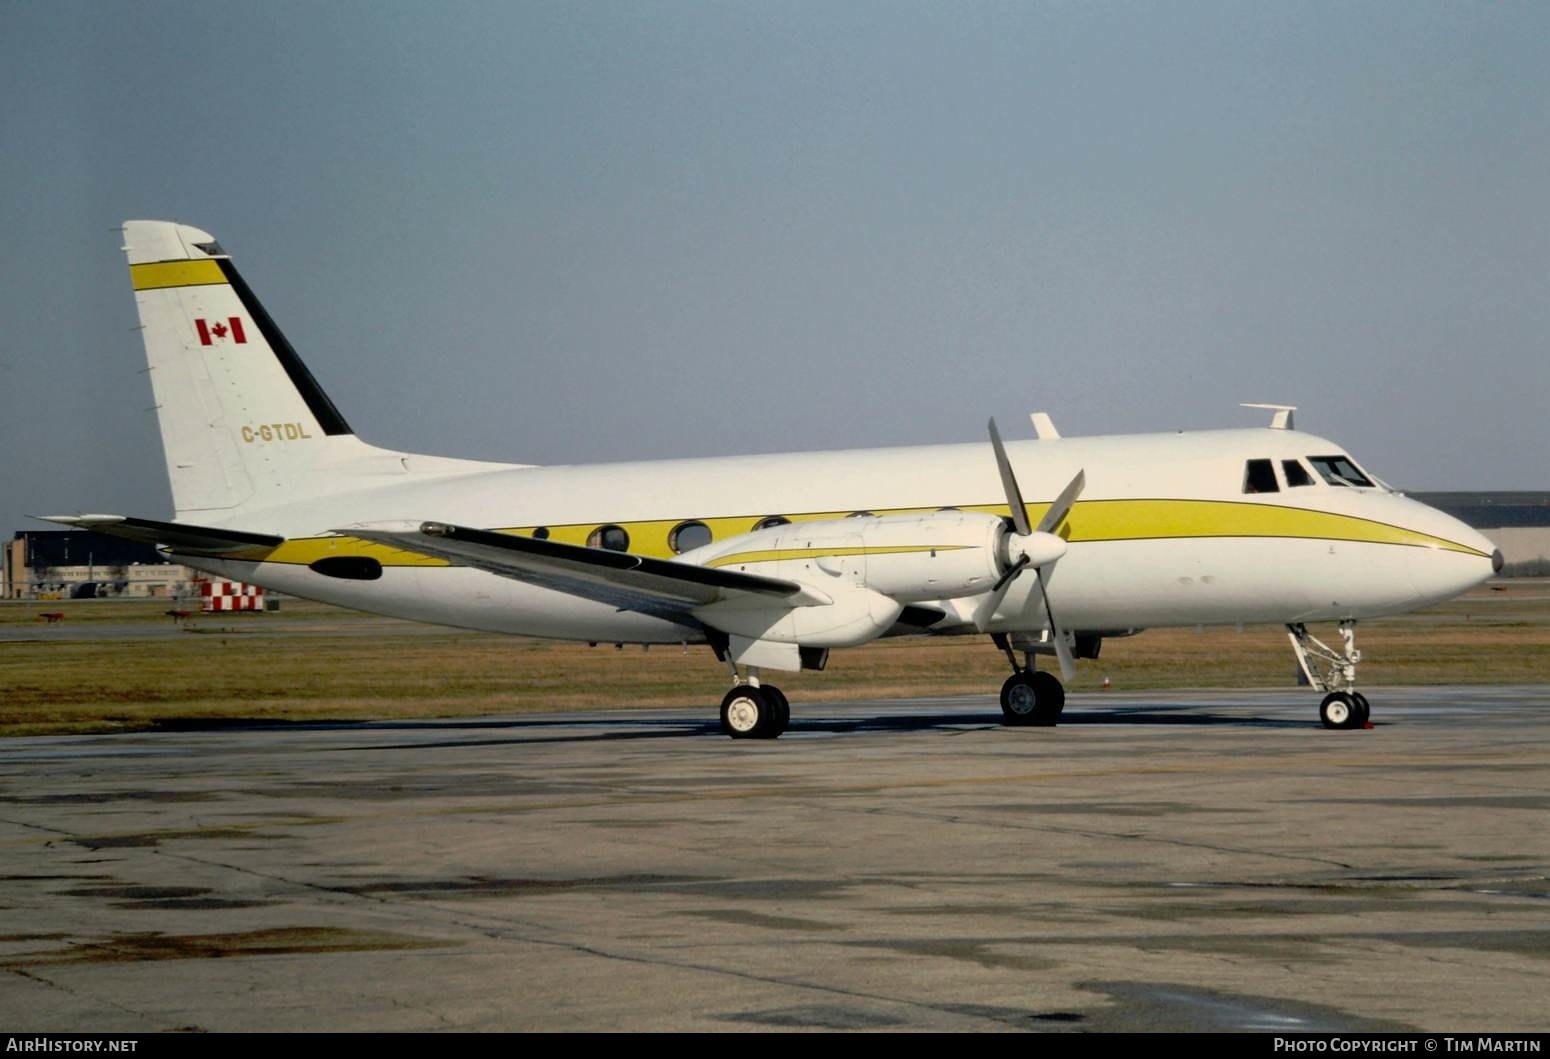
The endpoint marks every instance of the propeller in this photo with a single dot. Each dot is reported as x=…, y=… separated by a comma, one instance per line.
x=1027, y=545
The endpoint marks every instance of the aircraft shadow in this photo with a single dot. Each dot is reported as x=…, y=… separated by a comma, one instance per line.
x=645, y=726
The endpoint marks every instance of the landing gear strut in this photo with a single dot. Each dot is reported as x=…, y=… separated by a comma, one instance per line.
x=1344, y=706
x=1029, y=696
x=752, y=710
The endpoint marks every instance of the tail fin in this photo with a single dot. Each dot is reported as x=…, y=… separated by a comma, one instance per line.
x=243, y=422
x=238, y=410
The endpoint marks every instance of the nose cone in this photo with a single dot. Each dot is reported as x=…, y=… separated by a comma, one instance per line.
x=1460, y=559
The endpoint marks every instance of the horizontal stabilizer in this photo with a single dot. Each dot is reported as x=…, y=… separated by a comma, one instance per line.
x=178, y=536
x=541, y=561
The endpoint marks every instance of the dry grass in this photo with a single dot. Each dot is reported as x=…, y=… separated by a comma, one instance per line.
x=310, y=662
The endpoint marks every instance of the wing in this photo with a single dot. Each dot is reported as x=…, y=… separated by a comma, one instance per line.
x=630, y=582
x=178, y=536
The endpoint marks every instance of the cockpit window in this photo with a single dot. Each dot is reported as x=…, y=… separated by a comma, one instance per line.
x=1296, y=473
x=1339, y=470
x=1260, y=477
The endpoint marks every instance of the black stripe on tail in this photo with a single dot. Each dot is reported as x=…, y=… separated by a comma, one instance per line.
x=322, y=408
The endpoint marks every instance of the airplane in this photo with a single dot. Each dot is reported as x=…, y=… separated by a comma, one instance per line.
x=1048, y=546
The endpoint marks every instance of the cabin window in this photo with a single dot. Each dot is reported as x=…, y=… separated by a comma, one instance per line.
x=1260, y=477
x=541, y=533
x=687, y=536
x=1339, y=470
x=610, y=538
x=1296, y=473
x=771, y=522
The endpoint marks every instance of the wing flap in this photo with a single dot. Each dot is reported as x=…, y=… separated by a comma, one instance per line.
x=178, y=536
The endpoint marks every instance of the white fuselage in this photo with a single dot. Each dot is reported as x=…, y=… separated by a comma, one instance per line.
x=1163, y=535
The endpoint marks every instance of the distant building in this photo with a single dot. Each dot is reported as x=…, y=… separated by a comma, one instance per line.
x=1517, y=522
x=62, y=564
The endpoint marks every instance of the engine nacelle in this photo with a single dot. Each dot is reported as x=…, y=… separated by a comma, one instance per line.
x=938, y=555
x=869, y=568
x=908, y=558
x=856, y=616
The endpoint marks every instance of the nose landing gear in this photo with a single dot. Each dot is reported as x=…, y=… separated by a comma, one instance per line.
x=1344, y=706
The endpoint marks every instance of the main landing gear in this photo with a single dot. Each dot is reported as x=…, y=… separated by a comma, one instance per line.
x=1344, y=707
x=752, y=710
x=1029, y=696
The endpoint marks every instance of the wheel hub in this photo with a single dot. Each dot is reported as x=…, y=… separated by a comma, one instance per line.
x=743, y=714
x=1021, y=699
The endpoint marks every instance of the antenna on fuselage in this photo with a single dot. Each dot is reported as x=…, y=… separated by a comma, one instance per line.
x=1282, y=420
x=1043, y=426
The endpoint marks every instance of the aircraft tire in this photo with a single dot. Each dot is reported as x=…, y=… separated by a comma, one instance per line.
x=1339, y=711
x=1018, y=700
x=782, y=717
x=748, y=712
x=1363, y=709
x=1032, y=698
x=1051, y=699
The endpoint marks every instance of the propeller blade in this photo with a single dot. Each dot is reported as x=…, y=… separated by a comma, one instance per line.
x=985, y=613
x=1014, y=495
x=1062, y=649
x=1011, y=572
x=1062, y=506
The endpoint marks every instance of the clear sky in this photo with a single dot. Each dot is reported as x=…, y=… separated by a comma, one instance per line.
x=572, y=232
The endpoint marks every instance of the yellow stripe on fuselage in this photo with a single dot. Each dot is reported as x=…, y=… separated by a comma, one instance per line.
x=159, y=274
x=1090, y=521
x=1131, y=520
x=305, y=551
x=777, y=554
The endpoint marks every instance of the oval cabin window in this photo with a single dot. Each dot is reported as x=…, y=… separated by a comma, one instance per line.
x=687, y=536
x=610, y=538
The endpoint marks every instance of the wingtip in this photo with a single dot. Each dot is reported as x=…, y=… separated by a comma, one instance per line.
x=80, y=520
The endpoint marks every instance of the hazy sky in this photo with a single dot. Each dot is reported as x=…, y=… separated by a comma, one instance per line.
x=571, y=232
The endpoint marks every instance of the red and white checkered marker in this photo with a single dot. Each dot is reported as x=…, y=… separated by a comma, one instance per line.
x=230, y=595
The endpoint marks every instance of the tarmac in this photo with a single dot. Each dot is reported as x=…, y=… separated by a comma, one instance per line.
x=1161, y=861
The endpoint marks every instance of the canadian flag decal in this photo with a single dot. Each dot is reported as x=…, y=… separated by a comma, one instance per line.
x=220, y=330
